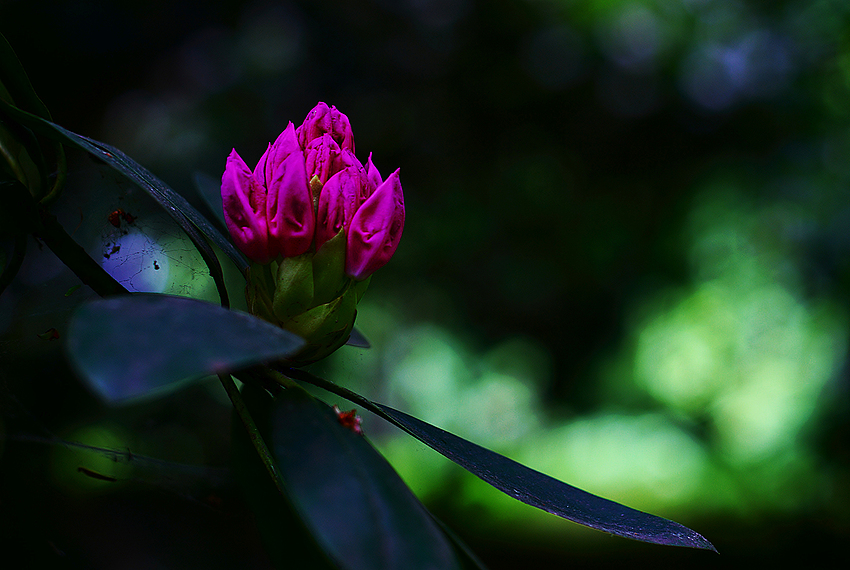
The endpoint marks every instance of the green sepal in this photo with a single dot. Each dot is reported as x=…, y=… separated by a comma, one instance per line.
x=293, y=291
x=329, y=277
x=325, y=328
x=360, y=287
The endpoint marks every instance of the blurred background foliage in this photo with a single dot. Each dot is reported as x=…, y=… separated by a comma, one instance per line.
x=625, y=262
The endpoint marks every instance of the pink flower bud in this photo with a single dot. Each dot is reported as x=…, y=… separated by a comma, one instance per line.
x=372, y=174
x=338, y=202
x=324, y=120
x=289, y=205
x=269, y=212
x=375, y=229
x=323, y=158
x=244, y=203
x=332, y=220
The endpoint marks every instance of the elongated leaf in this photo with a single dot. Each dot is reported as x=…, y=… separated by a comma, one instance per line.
x=209, y=189
x=287, y=540
x=129, y=346
x=173, y=203
x=15, y=88
x=359, y=509
x=16, y=82
x=525, y=484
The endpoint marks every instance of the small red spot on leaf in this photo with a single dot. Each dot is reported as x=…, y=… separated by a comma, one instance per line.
x=49, y=334
x=115, y=217
x=349, y=419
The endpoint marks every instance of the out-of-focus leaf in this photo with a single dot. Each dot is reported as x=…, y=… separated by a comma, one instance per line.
x=16, y=89
x=357, y=506
x=525, y=484
x=129, y=346
x=9, y=266
x=19, y=213
x=16, y=83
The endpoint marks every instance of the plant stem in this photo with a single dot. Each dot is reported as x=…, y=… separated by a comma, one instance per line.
x=270, y=374
x=253, y=432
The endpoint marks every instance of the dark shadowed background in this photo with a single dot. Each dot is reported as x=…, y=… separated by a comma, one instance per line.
x=625, y=263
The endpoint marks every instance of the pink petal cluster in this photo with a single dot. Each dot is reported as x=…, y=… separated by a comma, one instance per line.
x=306, y=188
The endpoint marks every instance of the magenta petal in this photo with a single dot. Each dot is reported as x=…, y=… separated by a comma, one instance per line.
x=243, y=200
x=372, y=175
x=285, y=145
x=375, y=230
x=260, y=170
x=341, y=130
x=289, y=206
x=322, y=158
x=338, y=202
x=326, y=120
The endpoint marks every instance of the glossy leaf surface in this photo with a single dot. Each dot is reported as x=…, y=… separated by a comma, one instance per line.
x=527, y=485
x=128, y=346
x=358, y=508
x=197, y=228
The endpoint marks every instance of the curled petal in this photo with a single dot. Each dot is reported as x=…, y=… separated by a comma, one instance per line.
x=289, y=205
x=244, y=201
x=260, y=170
x=326, y=120
x=375, y=230
x=372, y=175
x=285, y=145
x=338, y=202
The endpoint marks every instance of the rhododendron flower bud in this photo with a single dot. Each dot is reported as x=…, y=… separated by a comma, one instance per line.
x=316, y=224
x=269, y=212
x=375, y=229
x=326, y=120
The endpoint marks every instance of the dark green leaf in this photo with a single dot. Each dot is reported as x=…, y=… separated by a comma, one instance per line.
x=16, y=82
x=525, y=484
x=129, y=346
x=186, y=216
x=173, y=203
x=209, y=189
x=16, y=89
x=9, y=265
x=467, y=558
x=359, y=509
x=288, y=542
x=19, y=213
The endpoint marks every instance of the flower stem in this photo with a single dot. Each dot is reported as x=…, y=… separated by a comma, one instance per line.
x=253, y=432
